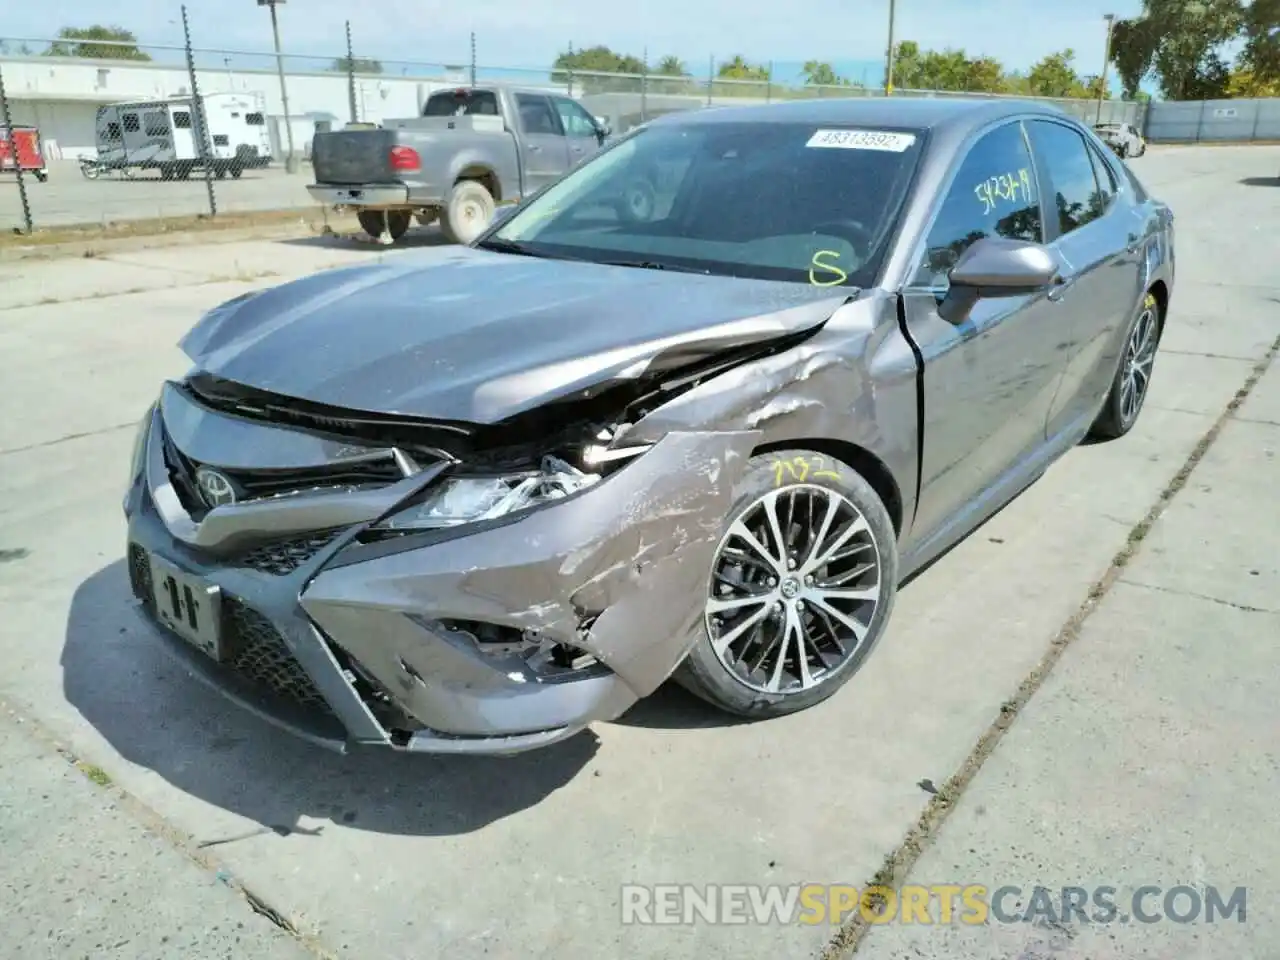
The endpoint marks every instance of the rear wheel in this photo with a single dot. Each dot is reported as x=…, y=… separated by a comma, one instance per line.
x=396, y=224
x=468, y=212
x=1129, y=388
x=800, y=589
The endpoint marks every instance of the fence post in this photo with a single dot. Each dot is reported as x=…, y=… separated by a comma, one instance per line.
x=768, y=84
x=569, y=69
x=1200, y=122
x=644, y=88
x=13, y=149
x=711, y=76
x=198, y=115
x=1257, y=116
x=473, y=59
x=351, y=77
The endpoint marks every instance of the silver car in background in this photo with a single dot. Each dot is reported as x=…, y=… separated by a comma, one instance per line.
x=1123, y=138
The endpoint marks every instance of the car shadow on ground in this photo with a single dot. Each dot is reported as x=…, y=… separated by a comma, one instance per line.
x=154, y=715
x=119, y=677
x=1261, y=181
x=346, y=239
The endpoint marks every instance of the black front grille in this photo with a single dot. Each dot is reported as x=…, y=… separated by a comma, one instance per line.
x=255, y=648
x=259, y=653
x=140, y=573
x=282, y=557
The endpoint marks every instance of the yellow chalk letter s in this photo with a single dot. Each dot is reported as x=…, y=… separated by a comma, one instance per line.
x=837, y=277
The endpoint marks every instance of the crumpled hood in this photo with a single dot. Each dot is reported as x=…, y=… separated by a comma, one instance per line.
x=477, y=336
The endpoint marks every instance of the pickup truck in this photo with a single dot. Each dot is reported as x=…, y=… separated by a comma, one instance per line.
x=471, y=150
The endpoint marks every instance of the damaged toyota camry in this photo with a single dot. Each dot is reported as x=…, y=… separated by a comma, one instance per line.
x=693, y=411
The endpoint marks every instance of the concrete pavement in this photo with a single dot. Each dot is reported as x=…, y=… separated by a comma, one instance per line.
x=1149, y=757
x=81, y=877
x=387, y=856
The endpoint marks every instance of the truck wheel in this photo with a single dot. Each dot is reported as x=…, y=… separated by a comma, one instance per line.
x=397, y=223
x=468, y=213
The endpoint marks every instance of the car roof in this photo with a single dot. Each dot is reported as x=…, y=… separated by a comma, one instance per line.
x=950, y=114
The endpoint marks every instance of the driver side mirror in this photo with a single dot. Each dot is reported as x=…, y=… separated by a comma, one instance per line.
x=996, y=267
x=603, y=129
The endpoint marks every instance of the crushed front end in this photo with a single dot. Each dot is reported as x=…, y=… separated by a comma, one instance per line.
x=363, y=579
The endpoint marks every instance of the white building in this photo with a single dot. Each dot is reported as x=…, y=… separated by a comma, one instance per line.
x=62, y=96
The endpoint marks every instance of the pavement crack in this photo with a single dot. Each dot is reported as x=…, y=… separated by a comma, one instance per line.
x=899, y=861
x=69, y=437
x=1245, y=608
x=1210, y=356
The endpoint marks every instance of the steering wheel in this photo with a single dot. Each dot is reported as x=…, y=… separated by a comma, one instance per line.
x=859, y=237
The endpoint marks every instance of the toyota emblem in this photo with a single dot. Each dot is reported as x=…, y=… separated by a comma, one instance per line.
x=215, y=489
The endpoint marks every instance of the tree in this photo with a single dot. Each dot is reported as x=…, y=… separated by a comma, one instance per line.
x=740, y=69
x=1244, y=83
x=582, y=67
x=1054, y=76
x=1180, y=44
x=358, y=65
x=671, y=76
x=1261, y=54
x=87, y=43
x=950, y=69
x=820, y=74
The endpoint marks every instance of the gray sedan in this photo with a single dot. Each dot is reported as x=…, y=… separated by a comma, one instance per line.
x=695, y=410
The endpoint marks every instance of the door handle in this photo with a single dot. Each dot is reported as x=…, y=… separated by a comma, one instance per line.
x=534, y=148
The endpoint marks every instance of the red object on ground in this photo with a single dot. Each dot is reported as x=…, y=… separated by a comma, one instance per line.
x=20, y=148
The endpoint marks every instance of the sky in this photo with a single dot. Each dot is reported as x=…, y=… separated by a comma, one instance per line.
x=515, y=33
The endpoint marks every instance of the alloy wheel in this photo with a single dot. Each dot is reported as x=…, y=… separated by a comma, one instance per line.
x=1139, y=355
x=795, y=585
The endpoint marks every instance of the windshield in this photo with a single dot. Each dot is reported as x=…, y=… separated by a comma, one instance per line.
x=782, y=201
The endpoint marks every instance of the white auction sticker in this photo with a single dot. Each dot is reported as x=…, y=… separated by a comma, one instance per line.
x=862, y=140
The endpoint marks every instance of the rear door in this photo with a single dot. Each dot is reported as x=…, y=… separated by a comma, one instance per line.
x=989, y=381
x=1096, y=237
x=546, y=149
x=579, y=129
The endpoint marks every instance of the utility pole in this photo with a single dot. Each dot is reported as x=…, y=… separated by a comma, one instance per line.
x=888, y=57
x=291, y=159
x=1106, y=59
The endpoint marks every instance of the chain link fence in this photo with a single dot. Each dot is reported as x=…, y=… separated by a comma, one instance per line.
x=99, y=134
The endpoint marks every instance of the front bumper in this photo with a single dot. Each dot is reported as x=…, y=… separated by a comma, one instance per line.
x=384, y=643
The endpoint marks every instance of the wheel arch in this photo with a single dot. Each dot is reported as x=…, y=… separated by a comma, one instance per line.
x=867, y=464
x=485, y=175
x=1160, y=290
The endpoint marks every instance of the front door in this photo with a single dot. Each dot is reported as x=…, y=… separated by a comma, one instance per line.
x=579, y=129
x=989, y=381
x=546, y=151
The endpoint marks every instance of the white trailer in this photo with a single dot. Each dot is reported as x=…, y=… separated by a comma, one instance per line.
x=164, y=135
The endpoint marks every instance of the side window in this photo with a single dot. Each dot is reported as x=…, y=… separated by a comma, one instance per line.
x=155, y=124
x=993, y=195
x=254, y=119
x=1066, y=158
x=113, y=131
x=577, y=122
x=182, y=119
x=130, y=123
x=536, y=115
x=1107, y=185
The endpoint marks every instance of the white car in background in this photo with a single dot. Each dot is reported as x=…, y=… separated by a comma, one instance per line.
x=1123, y=138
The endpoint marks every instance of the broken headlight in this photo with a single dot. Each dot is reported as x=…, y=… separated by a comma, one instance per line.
x=471, y=499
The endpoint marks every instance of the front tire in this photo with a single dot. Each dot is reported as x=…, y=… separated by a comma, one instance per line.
x=1129, y=386
x=800, y=590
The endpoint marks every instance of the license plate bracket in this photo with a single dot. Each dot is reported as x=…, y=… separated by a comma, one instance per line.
x=188, y=606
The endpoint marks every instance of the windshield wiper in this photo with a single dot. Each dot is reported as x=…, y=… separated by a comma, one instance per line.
x=507, y=246
x=651, y=265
